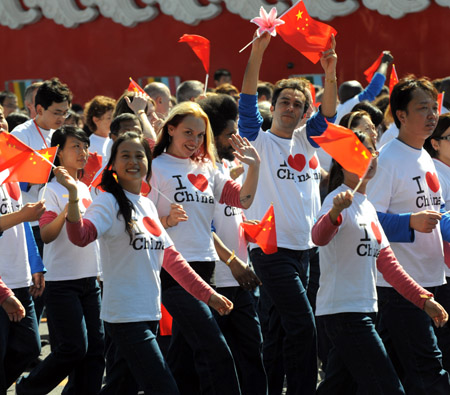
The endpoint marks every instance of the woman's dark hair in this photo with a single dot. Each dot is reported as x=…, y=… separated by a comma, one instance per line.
x=336, y=176
x=59, y=138
x=110, y=184
x=442, y=126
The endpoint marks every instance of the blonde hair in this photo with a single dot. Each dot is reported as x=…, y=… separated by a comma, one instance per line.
x=175, y=117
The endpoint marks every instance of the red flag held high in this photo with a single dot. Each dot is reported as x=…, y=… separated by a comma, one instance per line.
x=393, y=80
x=345, y=148
x=93, y=165
x=372, y=69
x=134, y=87
x=305, y=34
x=200, y=45
x=440, y=100
x=24, y=164
x=264, y=234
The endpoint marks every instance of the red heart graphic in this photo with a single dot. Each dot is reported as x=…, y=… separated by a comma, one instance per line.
x=199, y=181
x=297, y=162
x=432, y=181
x=13, y=190
x=313, y=163
x=376, y=232
x=86, y=202
x=152, y=226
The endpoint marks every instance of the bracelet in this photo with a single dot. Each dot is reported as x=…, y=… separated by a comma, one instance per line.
x=331, y=81
x=424, y=296
x=74, y=201
x=167, y=222
x=140, y=112
x=232, y=256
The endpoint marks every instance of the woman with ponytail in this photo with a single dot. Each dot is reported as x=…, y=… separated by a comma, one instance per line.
x=353, y=247
x=138, y=246
x=72, y=294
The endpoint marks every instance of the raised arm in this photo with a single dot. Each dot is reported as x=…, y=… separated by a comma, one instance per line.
x=329, y=98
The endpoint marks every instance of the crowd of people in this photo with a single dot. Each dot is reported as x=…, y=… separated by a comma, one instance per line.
x=135, y=249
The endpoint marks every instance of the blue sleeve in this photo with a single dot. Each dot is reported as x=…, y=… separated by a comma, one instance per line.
x=316, y=125
x=374, y=88
x=250, y=120
x=23, y=186
x=213, y=228
x=445, y=224
x=36, y=264
x=396, y=227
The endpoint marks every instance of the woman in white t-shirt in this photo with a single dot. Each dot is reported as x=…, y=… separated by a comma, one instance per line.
x=438, y=146
x=138, y=246
x=185, y=173
x=352, y=247
x=72, y=295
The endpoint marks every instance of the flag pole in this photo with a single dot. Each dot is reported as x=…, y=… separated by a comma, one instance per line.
x=162, y=194
x=250, y=43
x=206, y=84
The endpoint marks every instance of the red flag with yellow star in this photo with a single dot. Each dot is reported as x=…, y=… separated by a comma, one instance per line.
x=305, y=34
x=393, y=79
x=93, y=165
x=24, y=164
x=134, y=87
x=264, y=234
x=345, y=148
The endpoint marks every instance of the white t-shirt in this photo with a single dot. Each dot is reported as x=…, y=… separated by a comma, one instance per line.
x=348, y=271
x=28, y=133
x=406, y=181
x=287, y=178
x=131, y=287
x=444, y=178
x=101, y=145
x=198, y=188
x=14, y=265
x=345, y=108
x=390, y=134
x=64, y=260
x=227, y=220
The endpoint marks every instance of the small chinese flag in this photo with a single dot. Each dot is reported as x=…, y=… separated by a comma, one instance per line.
x=133, y=87
x=305, y=34
x=372, y=69
x=264, y=234
x=345, y=148
x=200, y=45
x=440, y=100
x=393, y=79
x=93, y=165
x=24, y=164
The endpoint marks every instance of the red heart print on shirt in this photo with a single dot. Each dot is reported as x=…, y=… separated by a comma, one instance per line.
x=376, y=232
x=432, y=181
x=86, y=202
x=13, y=190
x=199, y=181
x=151, y=226
x=313, y=162
x=297, y=162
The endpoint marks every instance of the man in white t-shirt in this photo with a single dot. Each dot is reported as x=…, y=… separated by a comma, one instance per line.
x=407, y=196
x=287, y=173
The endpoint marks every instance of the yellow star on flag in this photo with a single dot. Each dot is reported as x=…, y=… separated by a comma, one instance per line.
x=47, y=155
x=299, y=15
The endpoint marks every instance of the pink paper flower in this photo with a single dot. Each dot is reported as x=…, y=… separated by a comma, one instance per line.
x=267, y=22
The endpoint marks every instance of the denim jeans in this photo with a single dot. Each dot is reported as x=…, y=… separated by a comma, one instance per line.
x=19, y=341
x=442, y=295
x=138, y=362
x=409, y=330
x=357, y=356
x=73, y=313
x=198, y=343
x=284, y=275
x=242, y=332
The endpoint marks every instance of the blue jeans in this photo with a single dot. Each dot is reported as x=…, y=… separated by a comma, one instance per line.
x=20, y=343
x=442, y=295
x=357, y=356
x=139, y=363
x=284, y=276
x=73, y=313
x=410, y=332
x=198, y=343
x=242, y=332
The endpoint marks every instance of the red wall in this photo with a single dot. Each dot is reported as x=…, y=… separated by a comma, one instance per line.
x=98, y=57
